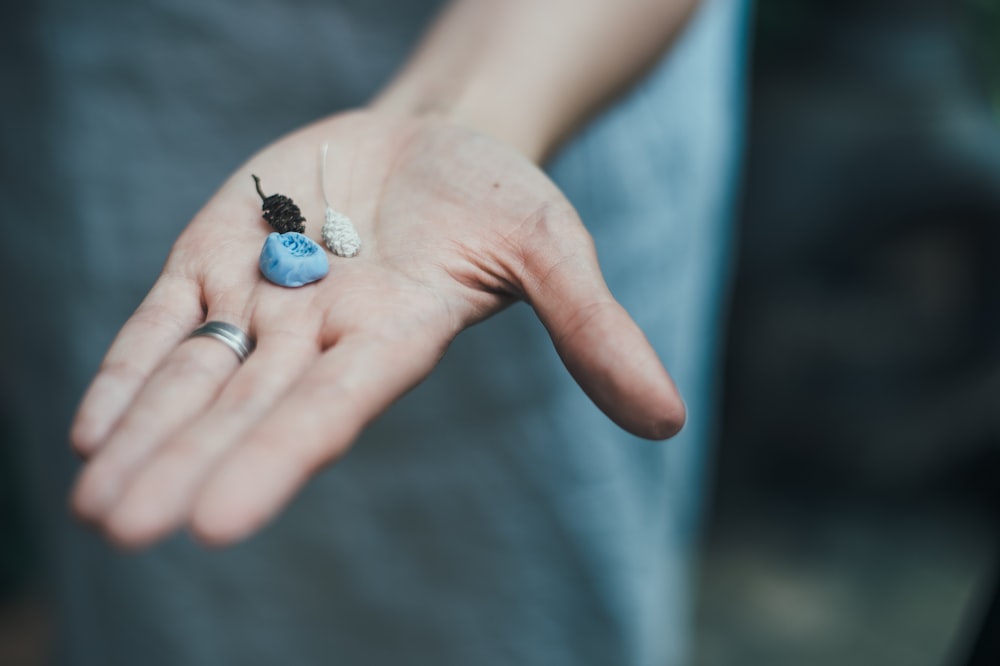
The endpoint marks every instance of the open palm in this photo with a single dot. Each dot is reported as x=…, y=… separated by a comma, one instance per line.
x=454, y=227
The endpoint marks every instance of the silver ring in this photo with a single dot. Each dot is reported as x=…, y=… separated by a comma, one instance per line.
x=230, y=335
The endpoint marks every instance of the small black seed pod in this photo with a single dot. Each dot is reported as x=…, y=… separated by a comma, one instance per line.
x=281, y=212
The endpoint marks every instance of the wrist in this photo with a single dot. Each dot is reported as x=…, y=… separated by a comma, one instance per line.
x=463, y=103
x=529, y=73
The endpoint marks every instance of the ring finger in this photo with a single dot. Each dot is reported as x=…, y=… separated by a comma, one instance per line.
x=159, y=494
x=181, y=387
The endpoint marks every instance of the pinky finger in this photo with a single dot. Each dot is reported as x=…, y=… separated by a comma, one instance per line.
x=166, y=316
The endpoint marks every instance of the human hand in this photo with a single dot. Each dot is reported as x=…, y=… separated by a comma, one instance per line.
x=454, y=226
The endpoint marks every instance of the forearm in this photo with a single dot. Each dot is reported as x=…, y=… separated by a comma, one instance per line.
x=530, y=71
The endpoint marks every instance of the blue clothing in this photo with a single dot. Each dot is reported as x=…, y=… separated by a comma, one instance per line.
x=493, y=515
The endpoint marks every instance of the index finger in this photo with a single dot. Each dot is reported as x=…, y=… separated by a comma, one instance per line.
x=350, y=384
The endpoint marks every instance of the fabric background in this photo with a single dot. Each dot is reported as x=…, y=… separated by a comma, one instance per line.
x=493, y=515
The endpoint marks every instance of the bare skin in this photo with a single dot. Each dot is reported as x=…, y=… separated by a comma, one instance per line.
x=455, y=224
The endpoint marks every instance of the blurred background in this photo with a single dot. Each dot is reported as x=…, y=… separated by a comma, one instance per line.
x=855, y=512
x=856, y=507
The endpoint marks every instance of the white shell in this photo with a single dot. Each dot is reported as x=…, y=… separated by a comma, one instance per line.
x=340, y=235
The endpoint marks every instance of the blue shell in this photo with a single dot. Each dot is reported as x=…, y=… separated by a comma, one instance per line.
x=292, y=260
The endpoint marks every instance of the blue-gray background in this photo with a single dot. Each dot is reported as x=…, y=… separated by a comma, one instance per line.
x=855, y=513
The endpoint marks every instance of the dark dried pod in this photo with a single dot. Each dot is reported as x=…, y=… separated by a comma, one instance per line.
x=281, y=212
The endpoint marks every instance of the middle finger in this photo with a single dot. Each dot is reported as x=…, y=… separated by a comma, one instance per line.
x=181, y=387
x=157, y=497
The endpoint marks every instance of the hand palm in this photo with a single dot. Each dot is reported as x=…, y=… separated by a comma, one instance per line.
x=453, y=226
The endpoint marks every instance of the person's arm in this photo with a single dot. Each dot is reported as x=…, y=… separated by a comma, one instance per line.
x=455, y=225
x=529, y=72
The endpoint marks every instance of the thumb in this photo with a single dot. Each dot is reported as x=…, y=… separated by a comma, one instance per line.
x=602, y=347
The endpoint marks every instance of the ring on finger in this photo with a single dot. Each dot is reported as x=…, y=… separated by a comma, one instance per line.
x=232, y=336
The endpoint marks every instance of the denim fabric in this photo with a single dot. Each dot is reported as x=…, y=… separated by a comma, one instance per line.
x=492, y=516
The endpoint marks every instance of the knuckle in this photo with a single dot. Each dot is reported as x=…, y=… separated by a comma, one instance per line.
x=123, y=370
x=193, y=366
